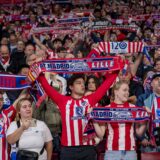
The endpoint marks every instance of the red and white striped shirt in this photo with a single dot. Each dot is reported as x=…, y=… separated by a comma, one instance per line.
x=120, y=136
x=6, y=117
x=73, y=111
x=155, y=108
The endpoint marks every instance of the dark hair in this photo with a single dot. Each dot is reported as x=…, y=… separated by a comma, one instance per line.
x=1, y=92
x=67, y=37
x=73, y=78
x=29, y=44
x=56, y=40
x=61, y=49
x=156, y=60
x=23, y=66
x=95, y=80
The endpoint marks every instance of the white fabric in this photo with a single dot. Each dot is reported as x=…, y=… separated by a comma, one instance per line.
x=33, y=138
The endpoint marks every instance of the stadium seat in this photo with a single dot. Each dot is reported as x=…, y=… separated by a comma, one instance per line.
x=150, y=156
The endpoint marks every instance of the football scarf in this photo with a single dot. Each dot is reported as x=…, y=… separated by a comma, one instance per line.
x=76, y=66
x=107, y=48
x=111, y=115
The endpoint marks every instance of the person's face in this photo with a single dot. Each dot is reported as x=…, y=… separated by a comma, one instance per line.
x=78, y=87
x=126, y=76
x=122, y=93
x=33, y=18
x=4, y=53
x=24, y=71
x=148, y=10
x=113, y=37
x=61, y=54
x=79, y=54
x=147, y=33
x=29, y=50
x=57, y=8
x=154, y=40
x=91, y=85
x=156, y=85
x=157, y=66
x=39, y=10
x=26, y=109
x=20, y=46
x=1, y=101
x=4, y=41
x=13, y=39
x=32, y=59
x=97, y=14
x=57, y=44
x=146, y=61
x=69, y=55
x=157, y=53
x=68, y=43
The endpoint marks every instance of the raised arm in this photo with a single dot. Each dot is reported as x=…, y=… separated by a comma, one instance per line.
x=51, y=92
x=38, y=42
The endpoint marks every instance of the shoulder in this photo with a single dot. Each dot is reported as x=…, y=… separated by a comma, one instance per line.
x=9, y=111
x=145, y=95
x=41, y=124
x=14, y=123
x=12, y=127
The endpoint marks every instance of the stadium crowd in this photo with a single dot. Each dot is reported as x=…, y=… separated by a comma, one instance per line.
x=49, y=116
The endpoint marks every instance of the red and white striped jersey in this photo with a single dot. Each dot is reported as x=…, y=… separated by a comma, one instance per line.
x=155, y=109
x=6, y=116
x=73, y=111
x=120, y=136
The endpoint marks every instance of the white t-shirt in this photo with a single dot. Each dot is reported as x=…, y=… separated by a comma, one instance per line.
x=33, y=138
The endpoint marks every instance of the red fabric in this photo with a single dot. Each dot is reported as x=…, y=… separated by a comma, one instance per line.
x=6, y=116
x=120, y=136
x=121, y=37
x=72, y=130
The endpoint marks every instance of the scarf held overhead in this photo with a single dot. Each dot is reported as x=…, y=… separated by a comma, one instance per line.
x=119, y=48
x=16, y=82
x=76, y=66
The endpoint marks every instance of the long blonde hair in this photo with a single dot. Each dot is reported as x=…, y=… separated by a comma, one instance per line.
x=116, y=86
x=19, y=105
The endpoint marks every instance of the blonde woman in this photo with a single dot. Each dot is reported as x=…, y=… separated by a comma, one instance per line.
x=31, y=135
x=120, y=138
